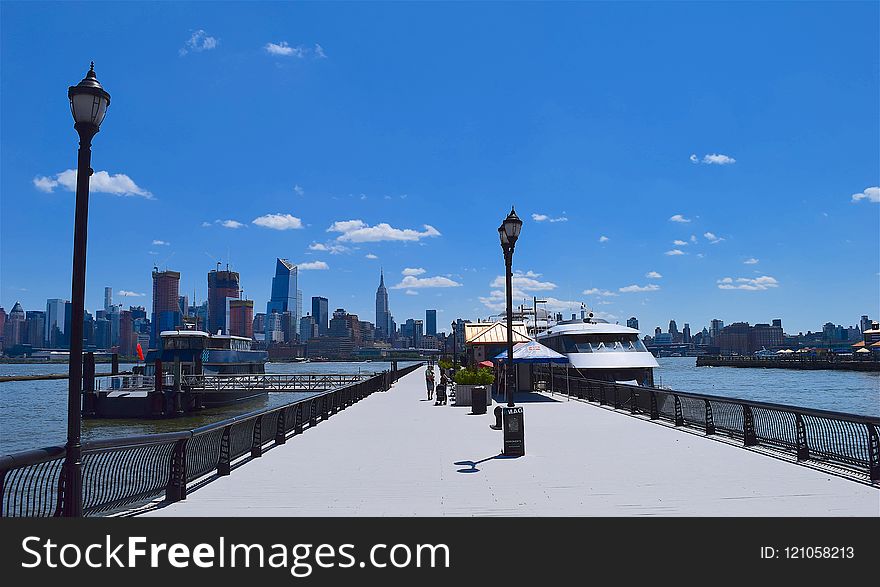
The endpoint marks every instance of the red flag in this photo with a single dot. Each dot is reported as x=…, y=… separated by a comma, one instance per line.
x=140, y=352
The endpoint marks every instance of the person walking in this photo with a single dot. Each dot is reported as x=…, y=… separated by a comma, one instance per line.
x=441, y=390
x=429, y=381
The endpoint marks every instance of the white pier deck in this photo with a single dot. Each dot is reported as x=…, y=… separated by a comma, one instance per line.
x=396, y=454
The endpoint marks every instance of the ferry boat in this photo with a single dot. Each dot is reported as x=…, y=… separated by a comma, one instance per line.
x=597, y=349
x=181, y=353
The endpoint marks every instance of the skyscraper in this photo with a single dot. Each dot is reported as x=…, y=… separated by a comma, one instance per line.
x=166, y=307
x=222, y=285
x=431, y=322
x=241, y=318
x=54, y=332
x=285, y=295
x=383, y=315
x=320, y=313
x=108, y=298
x=686, y=333
x=36, y=325
x=633, y=323
x=15, y=326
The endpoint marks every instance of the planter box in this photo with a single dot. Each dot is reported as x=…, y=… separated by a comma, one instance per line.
x=463, y=394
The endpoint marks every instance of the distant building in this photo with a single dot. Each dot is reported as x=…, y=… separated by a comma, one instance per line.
x=273, y=331
x=735, y=339
x=127, y=334
x=766, y=336
x=633, y=323
x=102, y=333
x=320, y=314
x=259, y=323
x=864, y=324
x=222, y=285
x=285, y=295
x=431, y=322
x=36, y=325
x=657, y=331
x=166, y=307
x=108, y=298
x=384, y=328
x=54, y=325
x=307, y=327
x=715, y=329
x=686, y=333
x=14, y=327
x=662, y=338
x=241, y=318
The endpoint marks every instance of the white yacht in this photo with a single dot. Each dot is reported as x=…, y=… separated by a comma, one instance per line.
x=599, y=350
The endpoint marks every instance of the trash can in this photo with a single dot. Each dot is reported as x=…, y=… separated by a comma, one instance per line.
x=478, y=399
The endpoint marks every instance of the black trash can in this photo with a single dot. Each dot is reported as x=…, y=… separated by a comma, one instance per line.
x=478, y=400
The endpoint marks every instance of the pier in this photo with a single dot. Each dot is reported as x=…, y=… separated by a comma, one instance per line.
x=397, y=454
x=789, y=362
x=379, y=447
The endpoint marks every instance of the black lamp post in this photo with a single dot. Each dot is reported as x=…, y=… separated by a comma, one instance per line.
x=454, y=353
x=508, y=232
x=88, y=104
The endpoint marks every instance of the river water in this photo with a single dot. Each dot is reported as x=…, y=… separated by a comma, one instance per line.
x=34, y=413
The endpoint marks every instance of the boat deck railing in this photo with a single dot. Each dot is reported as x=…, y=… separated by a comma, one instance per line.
x=843, y=440
x=119, y=473
x=272, y=382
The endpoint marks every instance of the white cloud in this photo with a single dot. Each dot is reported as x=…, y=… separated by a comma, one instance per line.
x=332, y=248
x=371, y=256
x=678, y=218
x=101, y=181
x=199, y=41
x=712, y=159
x=313, y=265
x=712, y=238
x=653, y=275
x=284, y=50
x=411, y=292
x=230, y=223
x=278, y=221
x=674, y=252
x=746, y=283
x=751, y=261
x=127, y=294
x=413, y=282
x=595, y=291
x=544, y=217
x=205, y=224
x=693, y=238
x=297, y=189
x=524, y=281
x=680, y=243
x=319, y=52
x=639, y=288
x=157, y=242
x=413, y=271
x=602, y=239
x=869, y=195
x=358, y=231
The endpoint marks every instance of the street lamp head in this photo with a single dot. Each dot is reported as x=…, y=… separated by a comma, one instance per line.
x=88, y=101
x=509, y=229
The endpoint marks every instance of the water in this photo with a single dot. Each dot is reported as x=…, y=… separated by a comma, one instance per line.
x=33, y=414
x=853, y=392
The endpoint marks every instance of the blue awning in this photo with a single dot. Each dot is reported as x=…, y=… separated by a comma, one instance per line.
x=533, y=352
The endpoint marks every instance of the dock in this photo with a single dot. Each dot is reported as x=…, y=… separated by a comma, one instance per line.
x=788, y=362
x=395, y=453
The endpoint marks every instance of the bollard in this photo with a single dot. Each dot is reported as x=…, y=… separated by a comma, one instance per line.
x=497, y=425
x=114, y=364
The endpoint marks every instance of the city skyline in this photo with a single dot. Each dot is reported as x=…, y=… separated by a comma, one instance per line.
x=737, y=183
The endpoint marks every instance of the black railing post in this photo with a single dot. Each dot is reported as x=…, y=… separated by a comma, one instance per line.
x=710, y=421
x=633, y=400
x=223, y=463
x=176, y=488
x=281, y=427
x=803, y=451
x=873, y=454
x=655, y=412
x=313, y=413
x=298, y=419
x=257, y=441
x=679, y=417
x=591, y=397
x=325, y=407
x=750, y=438
x=603, y=398
x=616, y=390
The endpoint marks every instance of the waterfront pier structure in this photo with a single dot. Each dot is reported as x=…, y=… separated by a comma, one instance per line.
x=399, y=455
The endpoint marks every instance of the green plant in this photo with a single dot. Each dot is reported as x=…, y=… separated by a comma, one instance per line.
x=444, y=364
x=481, y=376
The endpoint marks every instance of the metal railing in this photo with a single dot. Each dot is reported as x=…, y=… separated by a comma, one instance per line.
x=122, y=472
x=130, y=382
x=845, y=440
x=272, y=382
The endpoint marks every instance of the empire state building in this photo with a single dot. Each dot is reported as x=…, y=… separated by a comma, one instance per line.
x=383, y=315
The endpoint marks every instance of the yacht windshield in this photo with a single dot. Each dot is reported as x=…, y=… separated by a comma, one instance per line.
x=602, y=343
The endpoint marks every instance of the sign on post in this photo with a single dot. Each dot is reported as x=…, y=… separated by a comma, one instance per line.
x=514, y=432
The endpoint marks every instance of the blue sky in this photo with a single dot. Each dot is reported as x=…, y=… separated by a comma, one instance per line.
x=349, y=137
